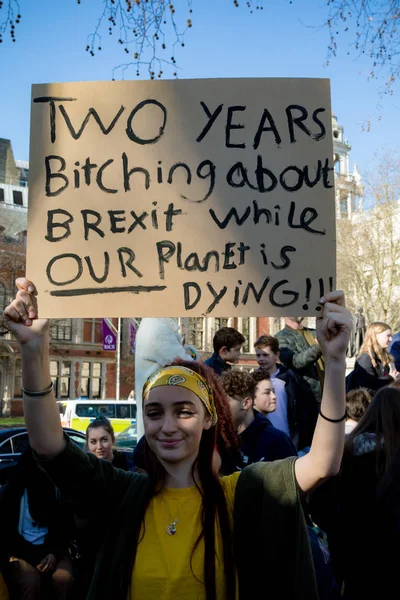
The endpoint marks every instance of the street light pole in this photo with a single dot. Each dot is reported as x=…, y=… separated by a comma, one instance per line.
x=118, y=374
x=117, y=332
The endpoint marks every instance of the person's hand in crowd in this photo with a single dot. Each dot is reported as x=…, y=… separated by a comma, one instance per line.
x=334, y=326
x=394, y=372
x=21, y=316
x=47, y=564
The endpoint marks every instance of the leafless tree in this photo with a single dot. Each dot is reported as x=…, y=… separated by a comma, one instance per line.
x=149, y=32
x=370, y=28
x=369, y=246
x=12, y=265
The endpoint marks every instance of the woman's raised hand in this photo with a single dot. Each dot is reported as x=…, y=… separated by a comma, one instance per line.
x=334, y=326
x=394, y=373
x=21, y=316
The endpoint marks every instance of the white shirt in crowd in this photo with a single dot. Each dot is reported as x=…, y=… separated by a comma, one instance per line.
x=349, y=426
x=30, y=531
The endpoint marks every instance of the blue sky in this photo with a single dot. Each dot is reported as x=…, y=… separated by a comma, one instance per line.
x=282, y=40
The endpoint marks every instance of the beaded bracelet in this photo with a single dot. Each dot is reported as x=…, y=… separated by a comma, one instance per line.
x=332, y=420
x=45, y=392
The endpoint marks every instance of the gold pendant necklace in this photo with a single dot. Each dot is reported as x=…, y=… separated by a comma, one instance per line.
x=171, y=529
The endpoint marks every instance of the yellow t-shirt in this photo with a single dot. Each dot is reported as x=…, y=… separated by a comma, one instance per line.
x=163, y=570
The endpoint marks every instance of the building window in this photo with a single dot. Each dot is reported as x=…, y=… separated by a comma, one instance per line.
x=17, y=197
x=91, y=379
x=343, y=207
x=92, y=331
x=195, y=333
x=18, y=379
x=244, y=328
x=61, y=329
x=220, y=323
x=1, y=194
x=3, y=296
x=60, y=373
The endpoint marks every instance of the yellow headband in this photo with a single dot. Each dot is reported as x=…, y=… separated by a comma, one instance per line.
x=185, y=378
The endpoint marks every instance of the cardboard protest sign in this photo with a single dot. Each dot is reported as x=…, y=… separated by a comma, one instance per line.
x=171, y=198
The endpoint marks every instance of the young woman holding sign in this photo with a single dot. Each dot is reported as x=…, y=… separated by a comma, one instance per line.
x=170, y=534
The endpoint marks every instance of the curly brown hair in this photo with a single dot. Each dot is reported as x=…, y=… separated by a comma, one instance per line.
x=259, y=375
x=238, y=383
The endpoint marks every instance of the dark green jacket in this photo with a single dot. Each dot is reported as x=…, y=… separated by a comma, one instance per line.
x=270, y=529
x=296, y=354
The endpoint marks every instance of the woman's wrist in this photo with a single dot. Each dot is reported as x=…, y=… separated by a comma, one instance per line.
x=335, y=361
x=35, y=367
x=39, y=344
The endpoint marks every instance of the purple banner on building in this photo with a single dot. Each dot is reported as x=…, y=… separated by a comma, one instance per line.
x=109, y=337
x=132, y=337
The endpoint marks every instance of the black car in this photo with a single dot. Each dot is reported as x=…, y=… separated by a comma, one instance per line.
x=13, y=442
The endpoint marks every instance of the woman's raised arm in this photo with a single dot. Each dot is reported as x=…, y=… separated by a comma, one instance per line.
x=40, y=408
x=325, y=456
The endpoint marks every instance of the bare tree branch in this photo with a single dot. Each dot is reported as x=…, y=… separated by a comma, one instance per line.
x=149, y=32
x=12, y=18
x=369, y=246
x=375, y=27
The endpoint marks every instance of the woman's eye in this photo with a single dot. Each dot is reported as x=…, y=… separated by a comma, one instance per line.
x=153, y=414
x=185, y=412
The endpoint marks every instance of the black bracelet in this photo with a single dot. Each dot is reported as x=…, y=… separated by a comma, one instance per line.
x=332, y=420
x=45, y=392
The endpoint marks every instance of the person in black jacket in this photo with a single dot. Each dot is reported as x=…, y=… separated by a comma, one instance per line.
x=259, y=439
x=297, y=410
x=372, y=369
x=360, y=508
x=34, y=535
x=394, y=350
x=227, y=343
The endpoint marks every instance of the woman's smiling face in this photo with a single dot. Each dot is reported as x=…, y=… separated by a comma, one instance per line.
x=100, y=443
x=174, y=421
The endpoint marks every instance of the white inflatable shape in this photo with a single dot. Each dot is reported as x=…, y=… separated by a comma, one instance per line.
x=158, y=343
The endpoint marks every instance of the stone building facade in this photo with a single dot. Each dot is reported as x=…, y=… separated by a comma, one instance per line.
x=79, y=365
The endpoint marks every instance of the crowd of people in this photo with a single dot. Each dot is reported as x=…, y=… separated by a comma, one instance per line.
x=292, y=470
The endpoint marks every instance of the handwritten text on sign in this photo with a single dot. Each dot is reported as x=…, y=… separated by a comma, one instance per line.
x=181, y=197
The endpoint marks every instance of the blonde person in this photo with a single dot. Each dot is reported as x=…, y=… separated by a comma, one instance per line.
x=170, y=534
x=372, y=369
